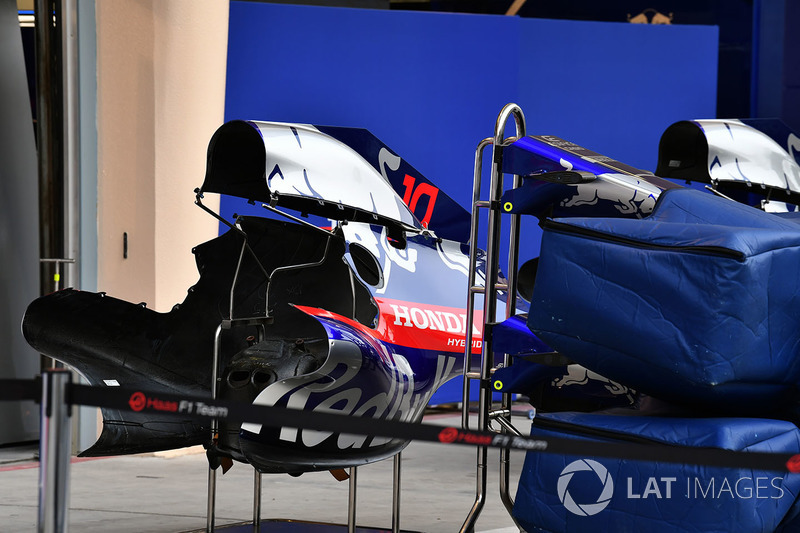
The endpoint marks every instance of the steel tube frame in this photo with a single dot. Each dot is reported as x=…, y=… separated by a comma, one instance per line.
x=256, y=501
x=511, y=305
x=396, y=492
x=212, y=472
x=473, y=267
x=351, y=501
x=490, y=290
x=480, y=487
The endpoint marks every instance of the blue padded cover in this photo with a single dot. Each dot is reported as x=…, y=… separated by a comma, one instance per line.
x=659, y=497
x=698, y=302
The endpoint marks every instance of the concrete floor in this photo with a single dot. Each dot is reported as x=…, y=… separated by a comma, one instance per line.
x=149, y=493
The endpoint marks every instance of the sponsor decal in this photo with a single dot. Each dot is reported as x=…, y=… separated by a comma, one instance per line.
x=328, y=390
x=401, y=402
x=519, y=443
x=139, y=402
x=203, y=409
x=451, y=435
x=414, y=325
x=432, y=327
x=448, y=435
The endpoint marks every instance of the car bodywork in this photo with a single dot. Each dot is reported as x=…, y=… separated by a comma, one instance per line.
x=366, y=318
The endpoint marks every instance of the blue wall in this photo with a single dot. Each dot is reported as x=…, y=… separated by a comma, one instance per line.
x=430, y=85
x=615, y=87
x=776, y=83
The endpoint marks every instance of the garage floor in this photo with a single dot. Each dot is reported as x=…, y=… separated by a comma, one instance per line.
x=149, y=493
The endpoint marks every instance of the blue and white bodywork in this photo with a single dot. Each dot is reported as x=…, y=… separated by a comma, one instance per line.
x=737, y=156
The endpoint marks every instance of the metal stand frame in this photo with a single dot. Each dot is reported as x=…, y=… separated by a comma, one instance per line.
x=351, y=499
x=490, y=290
x=256, y=500
x=261, y=323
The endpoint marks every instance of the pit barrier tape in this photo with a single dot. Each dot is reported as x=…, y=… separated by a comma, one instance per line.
x=20, y=389
x=205, y=408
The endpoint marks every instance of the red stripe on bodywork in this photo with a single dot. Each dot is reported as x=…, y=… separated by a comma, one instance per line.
x=414, y=325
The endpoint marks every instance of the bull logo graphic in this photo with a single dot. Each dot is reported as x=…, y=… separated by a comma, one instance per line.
x=630, y=202
x=579, y=375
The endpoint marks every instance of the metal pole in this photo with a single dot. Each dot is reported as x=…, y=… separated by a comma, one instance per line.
x=49, y=130
x=511, y=304
x=48, y=138
x=480, y=492
x=212, y=493
x=473, y=266
x=489, y=312
x=396, y=493
x=351, y=502
x=57, y=276
x=480, y=488
x=54, y=452
x=212, y=472
x=256, y=501
x=71, y=142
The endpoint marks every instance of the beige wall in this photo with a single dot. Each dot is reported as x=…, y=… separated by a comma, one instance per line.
x=160, y=96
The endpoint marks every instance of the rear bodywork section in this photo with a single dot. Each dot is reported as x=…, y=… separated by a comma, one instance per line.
x=117, y=343
x=366, y=319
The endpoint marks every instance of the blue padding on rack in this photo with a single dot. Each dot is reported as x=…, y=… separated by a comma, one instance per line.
x=565, y=493
x=696, y=303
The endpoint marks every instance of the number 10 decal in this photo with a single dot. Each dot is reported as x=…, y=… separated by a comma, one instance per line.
x=412, y=195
